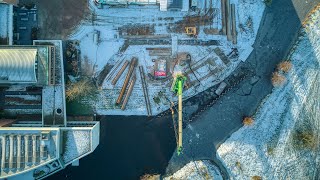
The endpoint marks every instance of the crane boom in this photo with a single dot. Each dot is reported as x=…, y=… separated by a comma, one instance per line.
x=180, y=82
x=178, y=89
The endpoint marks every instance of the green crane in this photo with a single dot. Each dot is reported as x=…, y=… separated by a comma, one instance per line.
x=177, y=88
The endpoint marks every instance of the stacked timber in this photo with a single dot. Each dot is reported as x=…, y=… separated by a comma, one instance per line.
x=228, y=20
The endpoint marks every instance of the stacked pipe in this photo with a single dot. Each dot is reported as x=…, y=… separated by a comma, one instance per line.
x=116, y=78
x=113, y=70
x=145, y=90
x=126, y=98
x=132, y=66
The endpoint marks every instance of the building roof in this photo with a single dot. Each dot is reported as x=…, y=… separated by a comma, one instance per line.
x=18, y=65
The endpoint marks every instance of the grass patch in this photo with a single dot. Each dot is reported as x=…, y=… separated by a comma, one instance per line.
x=76, y=107
x=76, y=93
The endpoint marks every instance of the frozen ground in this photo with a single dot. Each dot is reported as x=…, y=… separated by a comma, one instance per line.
x=269, y=148
x=197, y=170
x=108, y=20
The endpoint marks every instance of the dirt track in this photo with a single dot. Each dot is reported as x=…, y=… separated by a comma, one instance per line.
x=57, y=18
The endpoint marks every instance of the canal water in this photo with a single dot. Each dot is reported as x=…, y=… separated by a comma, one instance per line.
x=130, y=146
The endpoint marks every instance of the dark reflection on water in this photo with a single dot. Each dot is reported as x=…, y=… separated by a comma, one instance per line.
x=130, y=146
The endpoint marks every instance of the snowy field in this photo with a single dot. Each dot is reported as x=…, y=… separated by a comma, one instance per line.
x=268, y=148
x=108, y=20
x=197, y=170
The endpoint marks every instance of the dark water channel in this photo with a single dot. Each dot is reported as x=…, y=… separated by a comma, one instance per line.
x=130, y=146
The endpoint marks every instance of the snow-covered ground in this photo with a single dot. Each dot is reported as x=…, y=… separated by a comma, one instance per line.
x=269, y=148
x=77, y=143
x=197, y=170
x=107, y=50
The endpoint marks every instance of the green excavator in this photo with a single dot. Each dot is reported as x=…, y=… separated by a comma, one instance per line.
x=177, y=88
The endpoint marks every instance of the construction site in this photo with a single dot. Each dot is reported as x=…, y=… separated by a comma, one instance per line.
x=134, y=56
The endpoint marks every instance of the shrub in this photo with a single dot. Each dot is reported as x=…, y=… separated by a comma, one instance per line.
x=277, y=79
x=150, y=177
x=204, y=173
x=248, y=121
x=238, y=165
x=156, y=100
x=304, y=139
x=284, y=66
x=270, y=150
x=256, y=178
x=267, y=2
